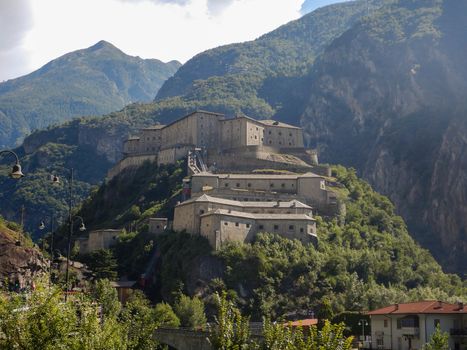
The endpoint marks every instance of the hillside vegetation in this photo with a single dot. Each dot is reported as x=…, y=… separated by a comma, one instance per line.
x=92, y=81
x=364, y=260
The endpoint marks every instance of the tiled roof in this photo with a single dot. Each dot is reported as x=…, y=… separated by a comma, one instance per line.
x=225, y=212
x=270, y=122
x=303, y=323
x=249, y=204
x=421, y=307
x=259, y=176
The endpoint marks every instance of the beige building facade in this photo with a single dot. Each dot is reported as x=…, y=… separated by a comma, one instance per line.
x=215, y=134
x=309, y=187
x=221, y=220
x=97, y=240
x=408, y=326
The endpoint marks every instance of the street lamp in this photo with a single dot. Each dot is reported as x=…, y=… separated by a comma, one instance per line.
x=363, y=323
x=52, y=232
x=71, y=219
x=16, y=172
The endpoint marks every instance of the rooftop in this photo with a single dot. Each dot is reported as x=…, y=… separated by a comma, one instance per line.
x=154, y=127
x=259, y=176
x=270, y=122
x=422, y=307
x=238, y=214
x=250, y=204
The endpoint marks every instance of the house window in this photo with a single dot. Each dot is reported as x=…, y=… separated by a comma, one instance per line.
x=436, y=322
x=291, y=227
x=276, y=227
x=385, y=323
x=237, y=224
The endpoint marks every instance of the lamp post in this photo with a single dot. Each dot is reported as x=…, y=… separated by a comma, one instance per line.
x=16, y=172
x=363, y=323
x=56, y=180
x=52, y=232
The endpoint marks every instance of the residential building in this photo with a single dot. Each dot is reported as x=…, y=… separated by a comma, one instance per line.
x=409, y=326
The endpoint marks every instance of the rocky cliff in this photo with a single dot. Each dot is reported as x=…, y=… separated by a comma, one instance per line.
x=20, y=263
x=388, y=97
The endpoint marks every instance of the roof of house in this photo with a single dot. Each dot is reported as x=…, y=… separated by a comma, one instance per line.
x=154, y=127
x=270, y=122
x=422, y=307
x=303, y=323
x=250, y=204
x=259, y=176
x=259, y=216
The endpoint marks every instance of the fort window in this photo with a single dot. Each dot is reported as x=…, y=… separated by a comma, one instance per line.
x=249, y=185
x=256, y=137
x=271, y=185
x=261, y=227
x=269, y=132
x=147, y=139
x=270, y=141
x=153, y=137
x=247, y=225
x=245, y=199
x=276, y=227
x=280, y=133
x=226, y=185
x=280, y=142
x=290, y=143
x=301, y=230
x=238, y=184
x=201, y=211
x=226, y=223
x=282, y=185
x=237, y=224
x=290, y=134
x=291, y=227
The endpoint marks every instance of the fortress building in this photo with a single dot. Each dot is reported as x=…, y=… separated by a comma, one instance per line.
x=238, y=186
x=221, y=220
x=223, y=141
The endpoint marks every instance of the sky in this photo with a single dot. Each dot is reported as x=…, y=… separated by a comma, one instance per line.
x=33, y=32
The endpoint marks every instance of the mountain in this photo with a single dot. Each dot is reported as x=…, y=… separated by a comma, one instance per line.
x=93, y=81
x=258, y=78
x=388, y=97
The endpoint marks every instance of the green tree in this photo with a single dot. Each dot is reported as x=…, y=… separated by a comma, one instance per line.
x=165, y=316
x=103, y=263
x=107, y=297
x=439, y=340
x=190, y=311
x=231, y=330
x=140, y=322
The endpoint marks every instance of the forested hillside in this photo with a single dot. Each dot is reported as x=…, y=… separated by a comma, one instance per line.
x=364, y=260
x=92, y=81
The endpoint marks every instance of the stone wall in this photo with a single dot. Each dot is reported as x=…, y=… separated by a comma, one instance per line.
x=131, y=161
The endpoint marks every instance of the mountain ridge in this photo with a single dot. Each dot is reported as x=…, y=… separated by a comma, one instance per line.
x=90, y=81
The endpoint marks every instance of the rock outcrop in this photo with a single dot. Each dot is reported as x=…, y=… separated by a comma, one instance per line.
x=19, y=263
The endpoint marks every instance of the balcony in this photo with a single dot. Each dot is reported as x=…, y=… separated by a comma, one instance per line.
x=458, y=332
x=414, y=331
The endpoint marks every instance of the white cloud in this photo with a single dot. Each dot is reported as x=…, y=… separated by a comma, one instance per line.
x=163, y=29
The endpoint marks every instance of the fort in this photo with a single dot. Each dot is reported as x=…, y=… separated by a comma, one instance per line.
x=245, y=176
